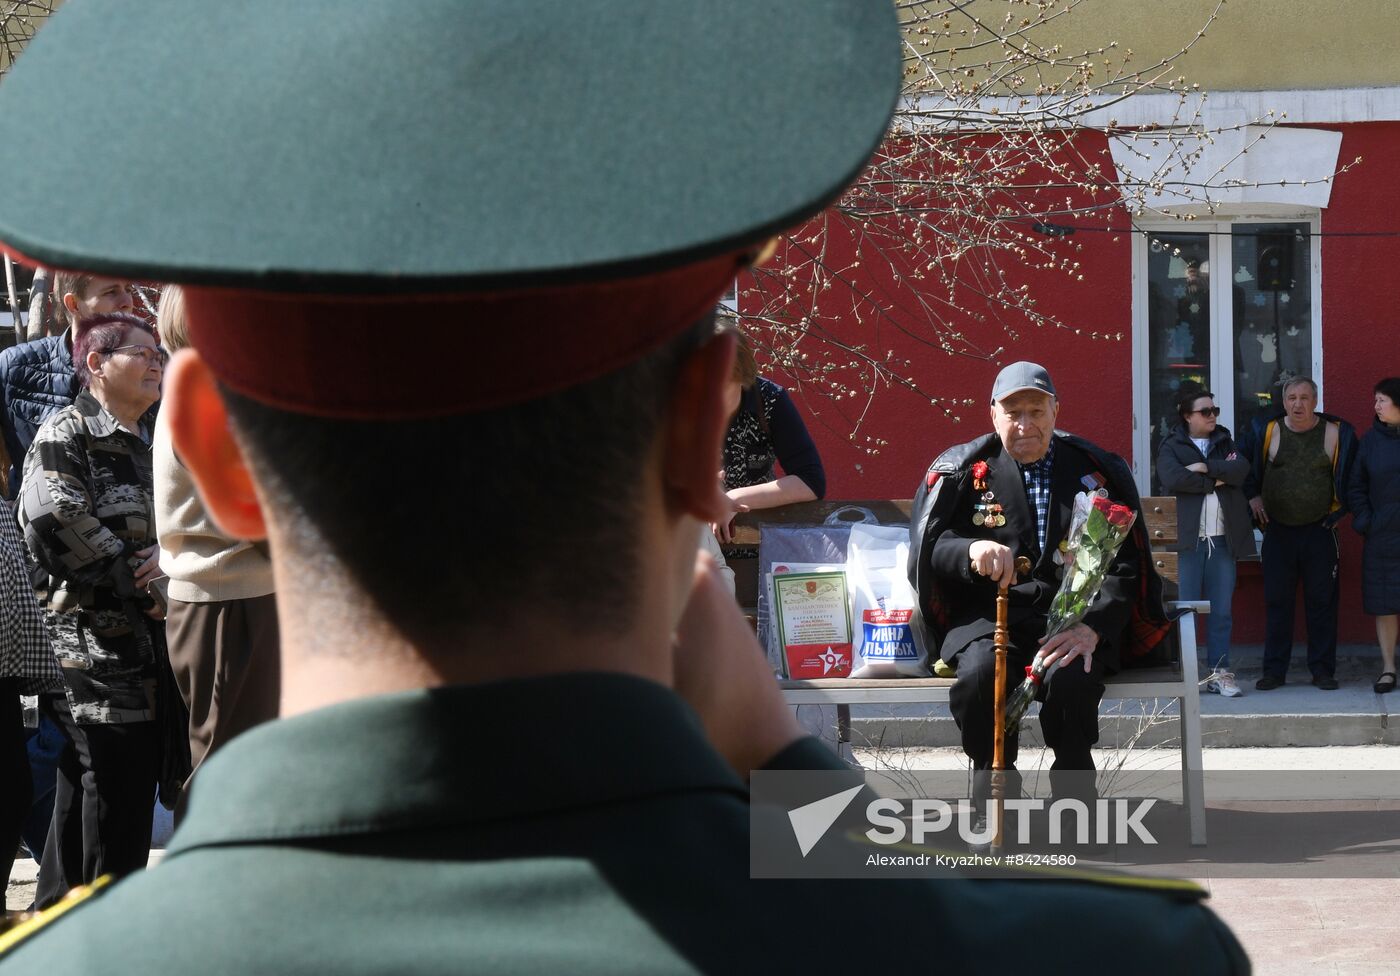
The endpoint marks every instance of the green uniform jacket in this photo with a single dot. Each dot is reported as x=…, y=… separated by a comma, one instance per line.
x=573, y=824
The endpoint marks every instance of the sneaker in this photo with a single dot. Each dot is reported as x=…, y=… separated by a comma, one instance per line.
x=1268, y=683
x=1222, y=682
x=1326, y=682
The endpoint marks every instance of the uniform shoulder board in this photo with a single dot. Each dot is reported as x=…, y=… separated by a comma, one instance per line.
x=1179, y=889
x=21, y=932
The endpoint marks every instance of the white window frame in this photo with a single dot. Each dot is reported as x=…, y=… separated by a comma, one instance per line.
x=730, y=299
x=1222, y=363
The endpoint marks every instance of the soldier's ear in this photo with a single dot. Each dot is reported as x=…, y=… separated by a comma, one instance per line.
x=694, y=432
x=199, y=430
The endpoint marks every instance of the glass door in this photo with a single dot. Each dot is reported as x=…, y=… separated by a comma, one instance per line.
x=1231, y=307
x=1273, y=314
x=1179, y=333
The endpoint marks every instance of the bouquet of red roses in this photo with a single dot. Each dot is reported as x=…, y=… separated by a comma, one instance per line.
x=1097, y=529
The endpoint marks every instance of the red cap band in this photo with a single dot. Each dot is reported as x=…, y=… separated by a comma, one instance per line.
x=396, y=357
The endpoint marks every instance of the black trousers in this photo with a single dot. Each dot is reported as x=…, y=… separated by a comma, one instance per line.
x=1069, y=714
x=16, y=787
x=1293, y=554
x=103, y=802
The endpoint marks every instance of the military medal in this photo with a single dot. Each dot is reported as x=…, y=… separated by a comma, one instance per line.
x=991, y=509
x=987, y=511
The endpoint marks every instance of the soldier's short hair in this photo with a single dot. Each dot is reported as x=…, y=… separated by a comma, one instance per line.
x=450, y=522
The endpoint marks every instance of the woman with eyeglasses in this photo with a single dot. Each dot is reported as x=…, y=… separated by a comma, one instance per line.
x=1200, y=464
x=87, y=511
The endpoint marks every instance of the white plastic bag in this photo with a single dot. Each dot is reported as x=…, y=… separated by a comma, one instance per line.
x=883, y=602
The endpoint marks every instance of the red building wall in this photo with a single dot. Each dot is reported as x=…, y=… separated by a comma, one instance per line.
x=1361, y=343
x=1361, y=309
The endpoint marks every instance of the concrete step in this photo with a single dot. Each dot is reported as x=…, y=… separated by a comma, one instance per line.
x=1152, y=730
x=1295, y=715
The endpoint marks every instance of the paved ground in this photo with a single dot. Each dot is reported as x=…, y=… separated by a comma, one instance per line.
x=1330, y=926
x=1320, y=927
x=1337, y=928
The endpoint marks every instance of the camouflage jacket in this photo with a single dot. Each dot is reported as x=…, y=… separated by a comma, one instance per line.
x=86, y=506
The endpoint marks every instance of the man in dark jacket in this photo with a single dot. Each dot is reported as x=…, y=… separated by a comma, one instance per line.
x=983, y=504
x=36, y=378
x=1299, y=475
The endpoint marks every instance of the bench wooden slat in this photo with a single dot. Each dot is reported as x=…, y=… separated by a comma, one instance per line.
x=1160, y=514
x=1166, y=564
x=889, y=511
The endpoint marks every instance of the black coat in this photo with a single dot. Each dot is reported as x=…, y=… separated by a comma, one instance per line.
x=955, y=608
x=1375, y=508
x=1224, y=462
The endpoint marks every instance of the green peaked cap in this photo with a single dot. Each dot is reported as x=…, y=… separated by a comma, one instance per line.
x=434, y=145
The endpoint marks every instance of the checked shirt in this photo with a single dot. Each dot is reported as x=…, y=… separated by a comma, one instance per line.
x=1037, y=481
x=24, y=642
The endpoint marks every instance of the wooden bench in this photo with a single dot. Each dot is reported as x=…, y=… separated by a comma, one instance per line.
x=1178, y=681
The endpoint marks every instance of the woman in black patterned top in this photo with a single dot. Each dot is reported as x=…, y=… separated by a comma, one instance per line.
x=87, y=510
x=27, y=667
x=765, y=429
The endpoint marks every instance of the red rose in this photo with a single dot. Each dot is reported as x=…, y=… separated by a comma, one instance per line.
x=1103, y=505
x=1120, y=516
x=979, y=470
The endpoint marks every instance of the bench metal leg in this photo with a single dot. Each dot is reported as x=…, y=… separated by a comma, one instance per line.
x=1192, y=777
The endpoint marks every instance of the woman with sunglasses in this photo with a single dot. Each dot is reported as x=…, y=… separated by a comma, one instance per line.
x=88, y=517
x=1200, y=464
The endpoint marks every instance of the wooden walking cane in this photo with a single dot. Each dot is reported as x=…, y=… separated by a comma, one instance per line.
x=1002, y=639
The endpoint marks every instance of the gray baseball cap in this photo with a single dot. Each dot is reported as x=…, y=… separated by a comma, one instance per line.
x=1021, y=376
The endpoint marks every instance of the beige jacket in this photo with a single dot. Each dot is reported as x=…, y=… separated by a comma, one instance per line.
x=204, y=565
